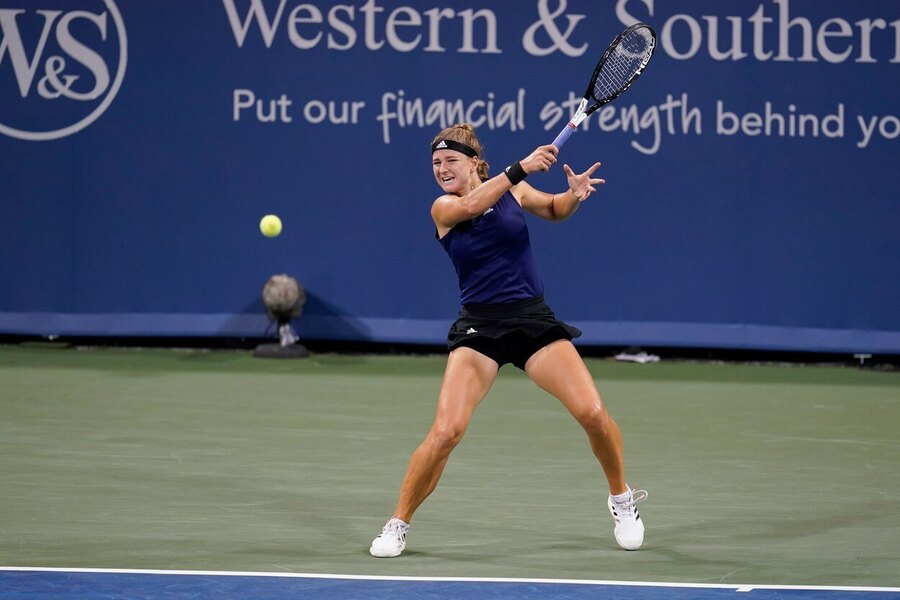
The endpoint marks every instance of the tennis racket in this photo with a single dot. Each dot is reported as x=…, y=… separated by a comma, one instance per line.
x=622, y=63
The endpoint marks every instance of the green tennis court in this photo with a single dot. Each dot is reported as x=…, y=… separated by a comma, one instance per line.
x=215, y=460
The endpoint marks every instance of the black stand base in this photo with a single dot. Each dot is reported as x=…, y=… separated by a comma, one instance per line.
x=279, y=351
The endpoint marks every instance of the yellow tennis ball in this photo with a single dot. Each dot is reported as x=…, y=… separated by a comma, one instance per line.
x=270, y=225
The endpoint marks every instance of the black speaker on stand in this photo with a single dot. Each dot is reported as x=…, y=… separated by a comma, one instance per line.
x=283, y=298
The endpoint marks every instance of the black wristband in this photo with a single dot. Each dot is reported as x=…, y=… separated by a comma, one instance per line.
x=515, y=172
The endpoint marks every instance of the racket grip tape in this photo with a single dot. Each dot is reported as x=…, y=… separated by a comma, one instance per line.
x=564, y=135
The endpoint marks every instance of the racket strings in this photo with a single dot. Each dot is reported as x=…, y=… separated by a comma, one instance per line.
x=622, y=64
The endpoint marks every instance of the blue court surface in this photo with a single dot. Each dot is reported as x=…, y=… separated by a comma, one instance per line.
x=19, y=583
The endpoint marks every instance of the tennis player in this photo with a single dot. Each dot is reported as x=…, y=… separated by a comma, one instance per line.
x=481, y=224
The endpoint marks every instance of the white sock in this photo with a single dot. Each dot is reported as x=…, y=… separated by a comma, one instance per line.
x=620, y=498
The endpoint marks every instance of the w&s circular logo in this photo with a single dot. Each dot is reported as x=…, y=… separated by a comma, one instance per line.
x=61, y=65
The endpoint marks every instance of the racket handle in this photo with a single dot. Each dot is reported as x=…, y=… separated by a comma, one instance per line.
x=566, y=132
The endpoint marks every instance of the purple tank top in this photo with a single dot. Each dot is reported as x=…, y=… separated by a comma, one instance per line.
x=492, y=256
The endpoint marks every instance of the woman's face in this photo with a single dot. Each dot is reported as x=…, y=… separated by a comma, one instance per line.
x=455, y=172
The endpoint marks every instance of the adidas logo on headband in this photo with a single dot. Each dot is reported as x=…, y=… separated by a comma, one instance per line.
x=453, y=145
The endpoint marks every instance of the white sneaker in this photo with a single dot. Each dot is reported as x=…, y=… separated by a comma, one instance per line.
x=629, y=526
x=392, y=539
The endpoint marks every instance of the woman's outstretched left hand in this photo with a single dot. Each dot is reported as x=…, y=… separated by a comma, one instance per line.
x=583, y=185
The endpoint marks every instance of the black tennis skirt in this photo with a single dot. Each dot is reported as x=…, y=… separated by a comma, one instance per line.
x=531, y=317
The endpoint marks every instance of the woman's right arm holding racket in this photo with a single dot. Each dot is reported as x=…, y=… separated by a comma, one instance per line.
x=450, y=209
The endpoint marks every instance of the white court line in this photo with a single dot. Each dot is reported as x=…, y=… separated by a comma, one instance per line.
x=597, y=582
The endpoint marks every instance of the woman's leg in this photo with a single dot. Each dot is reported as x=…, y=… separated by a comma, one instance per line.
x=467, y=379
x=559, y=369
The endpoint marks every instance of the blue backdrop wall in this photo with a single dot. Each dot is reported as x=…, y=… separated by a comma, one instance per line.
x=753, y=173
